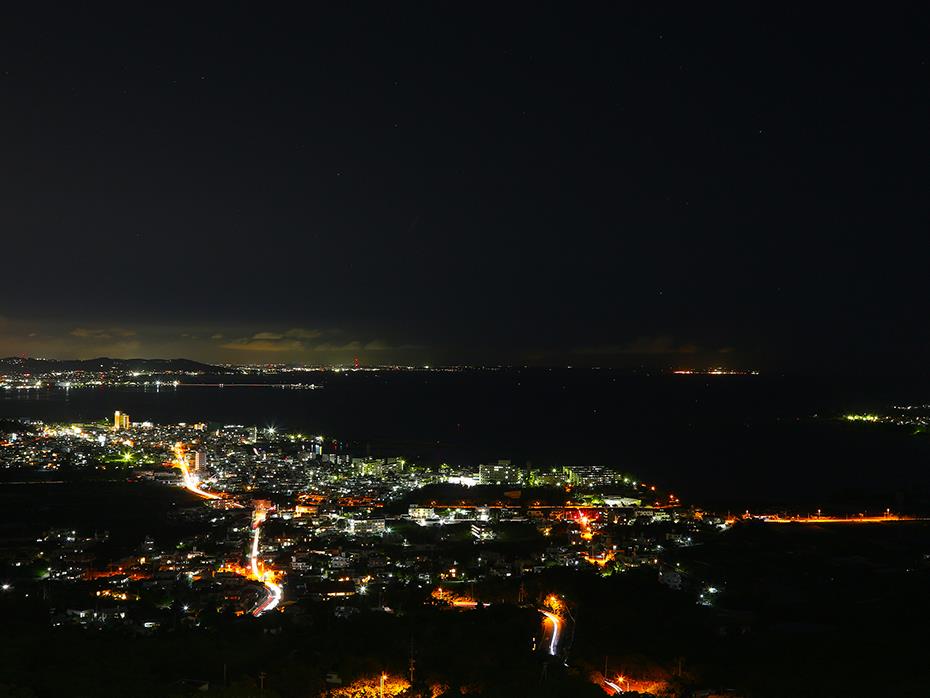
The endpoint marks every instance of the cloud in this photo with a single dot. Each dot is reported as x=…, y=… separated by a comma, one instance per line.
x=294, y=333
x=301, y=341
x=296, y=339
x=253, y=344
x=101, y=333
x=299, y=333
x=329, y=346
x=205, y=343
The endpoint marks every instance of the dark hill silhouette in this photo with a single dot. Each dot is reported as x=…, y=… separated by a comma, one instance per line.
x=103, y=363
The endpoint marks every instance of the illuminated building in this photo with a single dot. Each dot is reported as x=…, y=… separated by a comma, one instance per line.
x=415, y=511
x=590, y=475
x=481, y=531
x=366, y=527
x=120, y=421
x=619, y=501
x=500, y=473
x=199, y=461
x=554, y=477
x=370, y=467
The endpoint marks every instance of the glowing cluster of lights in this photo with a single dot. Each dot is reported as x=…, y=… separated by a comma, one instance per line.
x=863, y=418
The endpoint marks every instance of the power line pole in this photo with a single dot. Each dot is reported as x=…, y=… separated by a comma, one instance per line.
x=412, y=661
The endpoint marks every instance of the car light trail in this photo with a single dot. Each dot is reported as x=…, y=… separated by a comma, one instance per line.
x=255, y=571
x=273, y=590
x=556, y=628
x=253, y=556
x=191, y=482
x=274, y=593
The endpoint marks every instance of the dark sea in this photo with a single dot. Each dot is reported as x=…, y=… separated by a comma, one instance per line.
x=720, y=441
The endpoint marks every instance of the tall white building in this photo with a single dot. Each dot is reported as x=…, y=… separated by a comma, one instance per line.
x=501, y=473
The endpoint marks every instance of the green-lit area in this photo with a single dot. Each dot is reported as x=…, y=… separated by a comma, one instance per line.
x=131, y=457
x=863, y=418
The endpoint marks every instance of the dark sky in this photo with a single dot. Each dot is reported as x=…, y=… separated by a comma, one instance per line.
x=591, y=184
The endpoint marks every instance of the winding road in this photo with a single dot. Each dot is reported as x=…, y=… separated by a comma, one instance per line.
x=273, y=590
x=555, y=633
x=256, y=571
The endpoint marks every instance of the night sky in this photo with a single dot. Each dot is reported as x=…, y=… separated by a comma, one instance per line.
x=585, y=184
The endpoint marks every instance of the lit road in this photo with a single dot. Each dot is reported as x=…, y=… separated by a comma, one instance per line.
x=191, y=481
x=273, y=593
x=861, y=519
x=556, y=631
x=258, y=518
x=256, y=571
x=268, y=578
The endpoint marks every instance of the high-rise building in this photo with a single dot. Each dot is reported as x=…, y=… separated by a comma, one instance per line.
x=120, y=421
x=501, y=473
x=200, y=461
x=370, y=467
x=590, y=475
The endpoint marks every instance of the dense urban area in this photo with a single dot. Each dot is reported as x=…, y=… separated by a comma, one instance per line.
x=287, y=520
x=286, y=564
